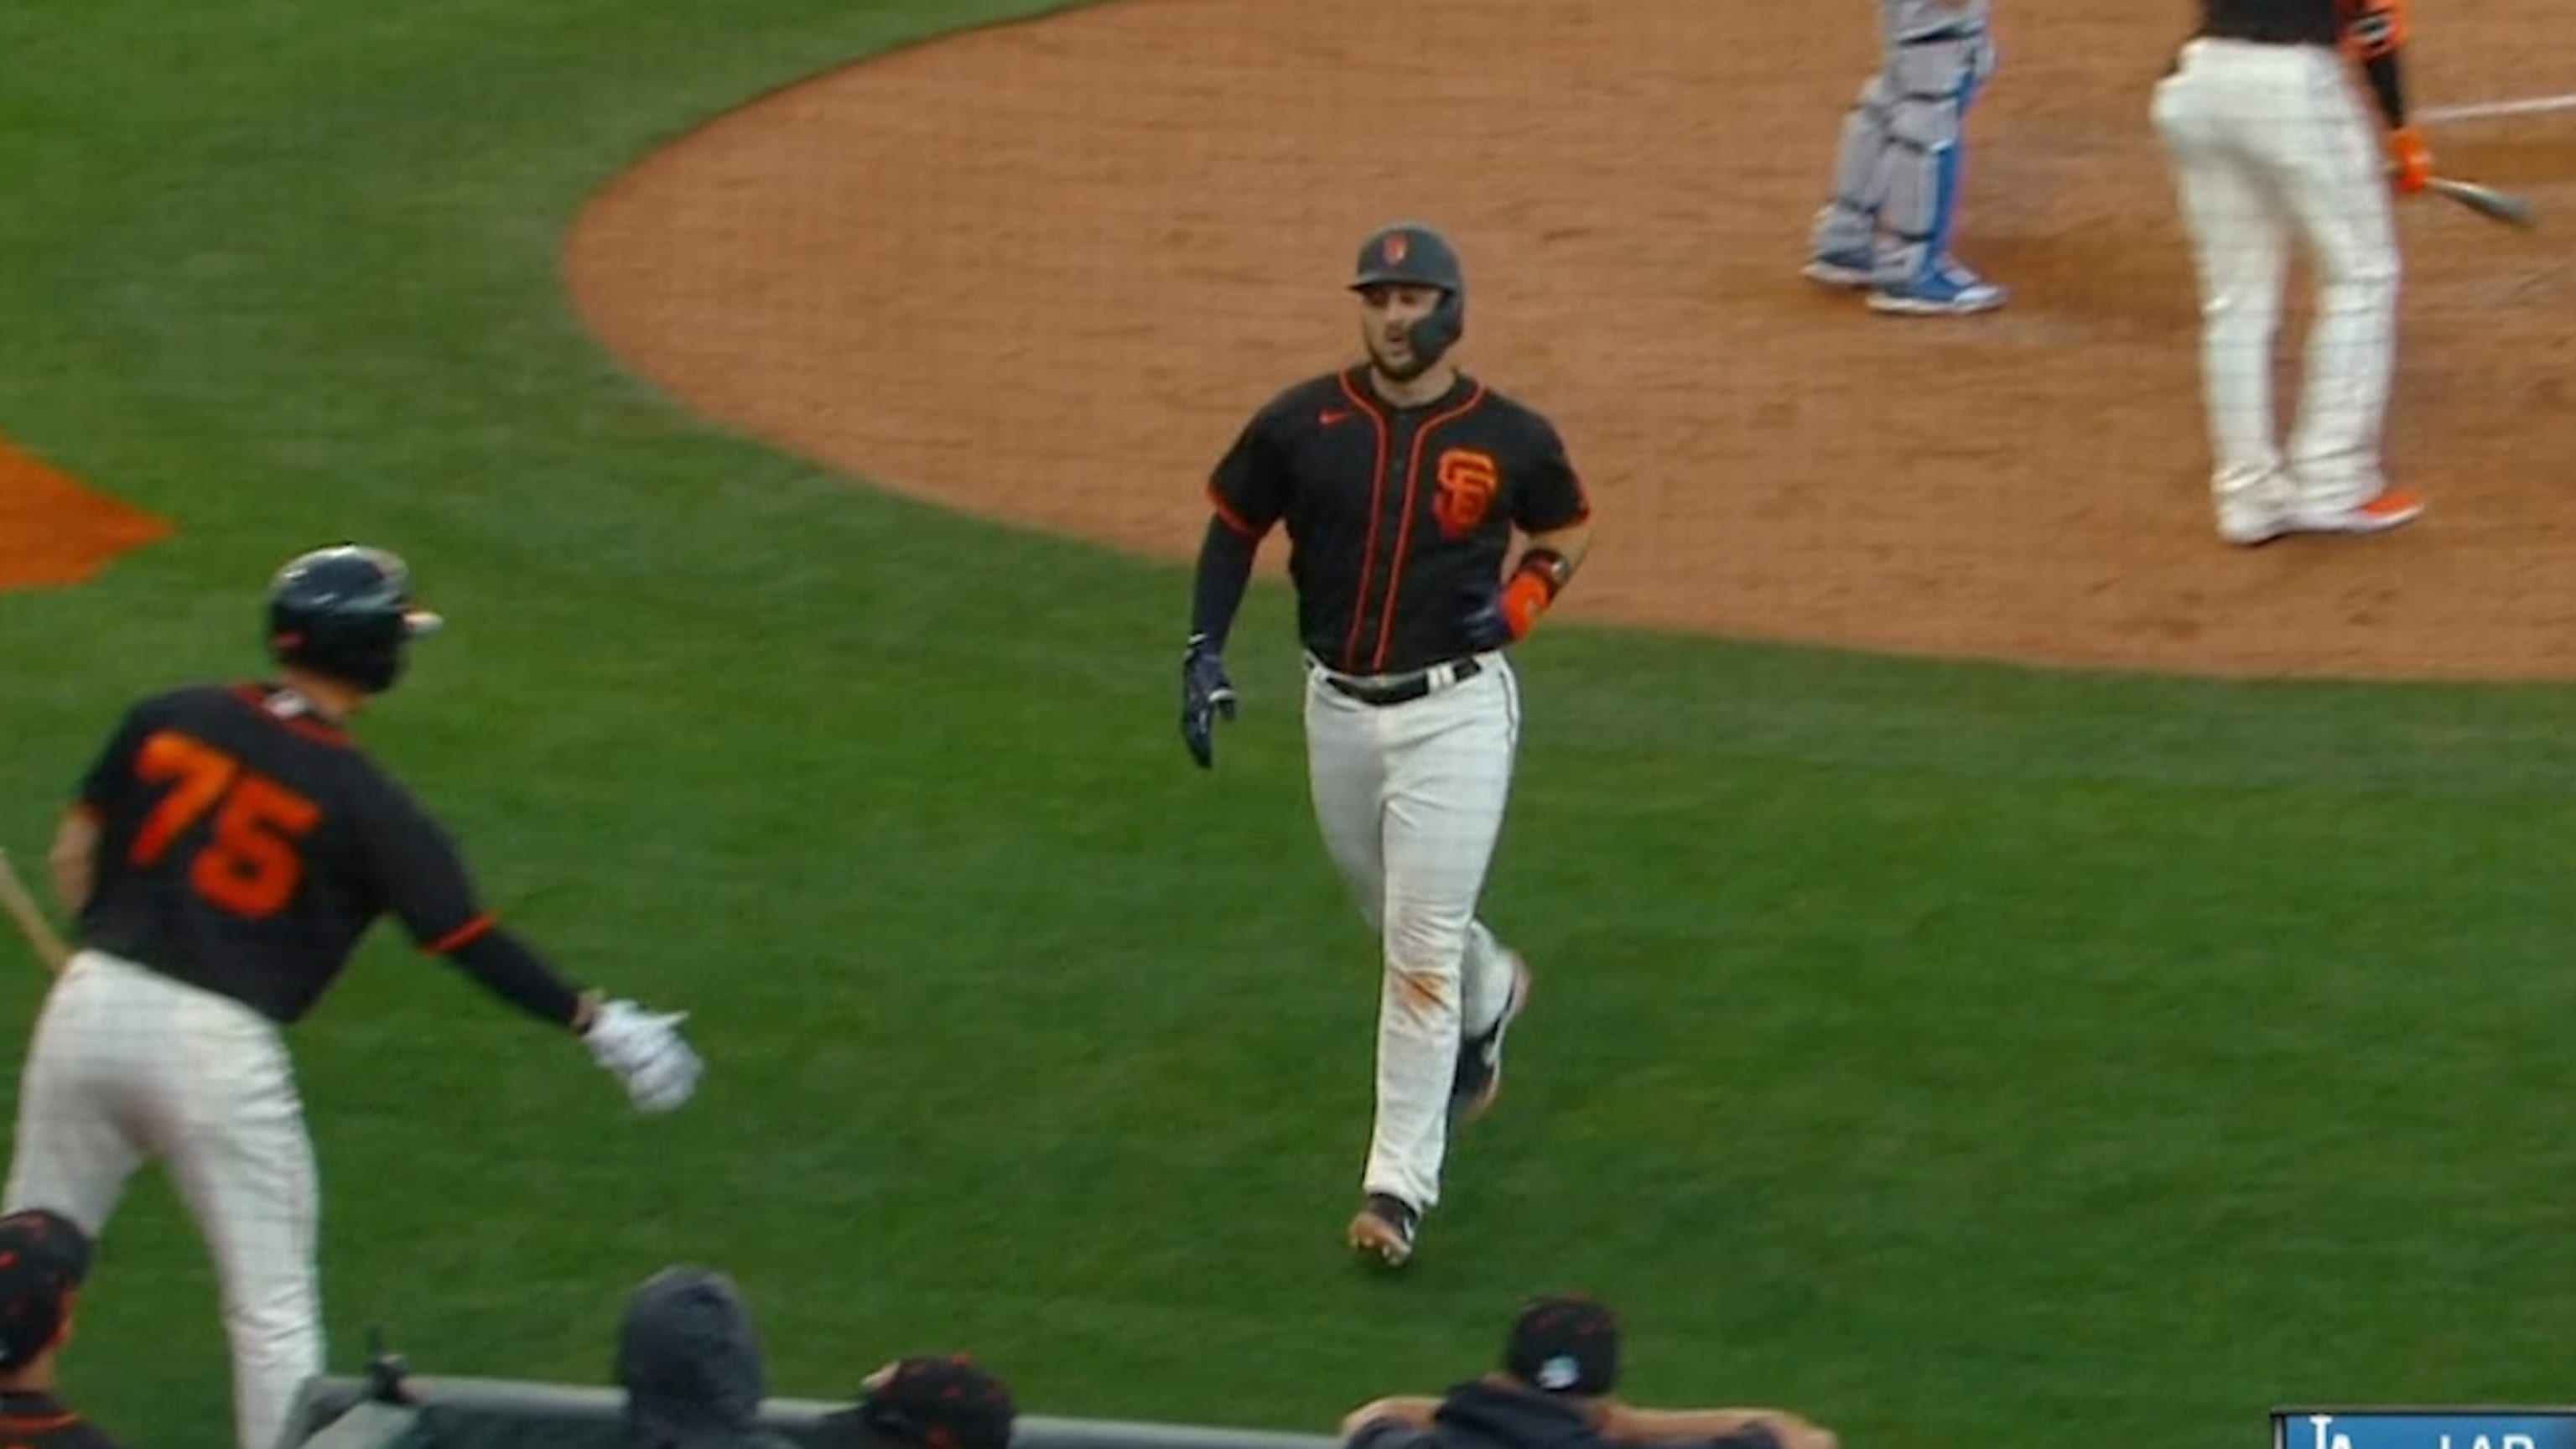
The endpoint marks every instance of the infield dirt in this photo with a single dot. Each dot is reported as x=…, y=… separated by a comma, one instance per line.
x=1041, y=273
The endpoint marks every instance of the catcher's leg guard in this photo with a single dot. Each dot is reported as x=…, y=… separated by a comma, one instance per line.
x=1846, y=229
x=1932, y=82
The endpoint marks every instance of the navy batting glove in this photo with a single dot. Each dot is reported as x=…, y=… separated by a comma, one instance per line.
x=1486, y=628
x=1205, y=694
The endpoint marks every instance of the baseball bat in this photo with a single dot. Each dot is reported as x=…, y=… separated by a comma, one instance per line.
x=31, y=920
x=2486, y=201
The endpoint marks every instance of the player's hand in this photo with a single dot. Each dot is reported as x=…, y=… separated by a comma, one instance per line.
x=1205, y=694
x=2410, y=160
x=1487, y=627
x=1511, y=611
x=647, y=1052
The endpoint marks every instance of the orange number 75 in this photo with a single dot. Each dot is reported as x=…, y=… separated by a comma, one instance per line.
x=249, y=865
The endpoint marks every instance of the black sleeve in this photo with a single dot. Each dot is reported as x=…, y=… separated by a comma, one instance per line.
x=517, y=975
x=1250, y=484
x=82, y=1434
x=2388, y=83
x=1225, y=570
x=110, y=777
x=1547, y=494
x=417, y=873
x=1751, y=1436
x=2375, y=30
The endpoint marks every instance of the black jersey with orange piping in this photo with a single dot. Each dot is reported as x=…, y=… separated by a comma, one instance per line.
x=34, y=1420
x=246, y=845
x=1398, y=518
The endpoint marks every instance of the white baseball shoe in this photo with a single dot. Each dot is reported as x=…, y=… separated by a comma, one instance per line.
x=2393, y=508
x=2251, y=524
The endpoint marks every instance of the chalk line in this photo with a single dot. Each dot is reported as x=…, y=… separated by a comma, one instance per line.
x=2472, y=110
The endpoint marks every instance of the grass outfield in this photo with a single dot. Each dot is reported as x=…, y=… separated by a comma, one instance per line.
x=1964, y=1055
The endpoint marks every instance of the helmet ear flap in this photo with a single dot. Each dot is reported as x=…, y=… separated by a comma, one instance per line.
x=1437, y=332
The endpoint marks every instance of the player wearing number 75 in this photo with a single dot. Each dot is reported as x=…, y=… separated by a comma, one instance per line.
x=229, y=848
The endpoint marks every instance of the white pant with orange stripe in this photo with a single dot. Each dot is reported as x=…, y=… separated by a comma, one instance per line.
x=2268, y=142
x=128, y=1064
x=1410, y=799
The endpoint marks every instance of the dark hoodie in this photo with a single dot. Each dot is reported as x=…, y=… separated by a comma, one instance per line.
x=1483, y=1414
x=690, y=1364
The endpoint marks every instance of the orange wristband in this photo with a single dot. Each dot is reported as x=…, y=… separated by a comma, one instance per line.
x=1533, y=586
x=1523, y=600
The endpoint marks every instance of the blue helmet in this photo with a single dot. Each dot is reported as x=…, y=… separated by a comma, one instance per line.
x=346, y=611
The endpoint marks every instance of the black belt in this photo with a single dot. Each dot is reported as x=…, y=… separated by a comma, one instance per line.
x=1405, y=688
x=2258, y=33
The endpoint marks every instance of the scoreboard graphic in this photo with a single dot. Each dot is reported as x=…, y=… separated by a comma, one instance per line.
x=2424, y=1428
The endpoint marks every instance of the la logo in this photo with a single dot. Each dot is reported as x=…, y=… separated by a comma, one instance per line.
x=2323, y=1422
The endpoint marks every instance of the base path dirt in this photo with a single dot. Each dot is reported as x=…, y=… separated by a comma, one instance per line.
x=54, y=531
x=1042, y=273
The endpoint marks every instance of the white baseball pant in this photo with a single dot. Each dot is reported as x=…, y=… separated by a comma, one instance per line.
x=2265, y=140
x=1410, y=799
x=128, y=1064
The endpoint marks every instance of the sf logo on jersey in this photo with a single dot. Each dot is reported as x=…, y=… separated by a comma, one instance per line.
x=1467, y=487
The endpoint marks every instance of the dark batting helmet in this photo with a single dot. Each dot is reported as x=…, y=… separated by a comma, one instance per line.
x=345, y=611
x=1410, y=254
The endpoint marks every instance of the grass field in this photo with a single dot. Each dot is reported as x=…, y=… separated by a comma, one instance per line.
x=1963, y=1055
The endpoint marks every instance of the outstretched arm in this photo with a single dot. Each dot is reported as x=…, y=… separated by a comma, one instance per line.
x=506, y=967
x=1630, y=1425
x=1412, y=1411
x=424, y=882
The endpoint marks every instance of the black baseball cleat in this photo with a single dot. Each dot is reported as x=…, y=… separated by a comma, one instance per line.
x=1385, y=1226
x=1480, y=1058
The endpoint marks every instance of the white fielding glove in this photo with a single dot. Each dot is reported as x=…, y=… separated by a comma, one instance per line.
x=646, y=1051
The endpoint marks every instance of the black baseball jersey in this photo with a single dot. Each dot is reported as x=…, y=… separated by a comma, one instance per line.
x=1398, y=518
x=2280, y=22
x=246, y=845
x=41, y=1421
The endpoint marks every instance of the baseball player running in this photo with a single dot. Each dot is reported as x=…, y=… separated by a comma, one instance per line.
x=229, y=848
x=1887, y=230
x=1401, y=481
x=2266, y=135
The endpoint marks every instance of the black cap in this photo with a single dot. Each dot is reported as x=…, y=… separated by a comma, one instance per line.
x=44, y=1257
x=929, y=1402
x=1564, y=1343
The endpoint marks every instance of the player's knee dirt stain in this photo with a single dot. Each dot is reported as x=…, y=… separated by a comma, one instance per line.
x=1041, y=272
x=55, y=531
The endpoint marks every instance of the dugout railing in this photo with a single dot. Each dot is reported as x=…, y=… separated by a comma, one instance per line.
x=471, y=1413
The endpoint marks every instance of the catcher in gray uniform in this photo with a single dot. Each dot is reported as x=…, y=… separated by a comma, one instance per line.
x=1887, y=230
